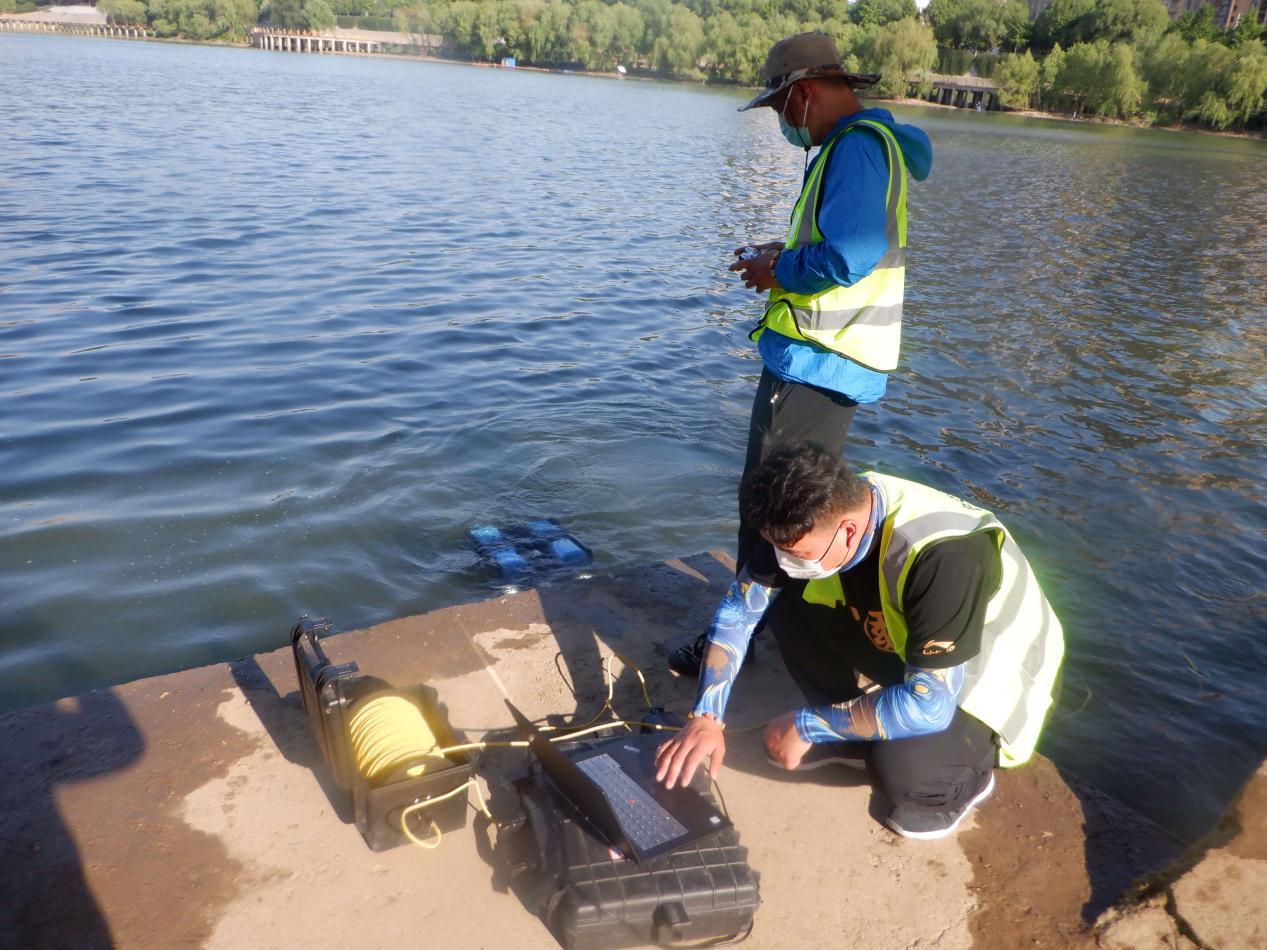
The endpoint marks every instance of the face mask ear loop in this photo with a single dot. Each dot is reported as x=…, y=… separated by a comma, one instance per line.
x=804, y=119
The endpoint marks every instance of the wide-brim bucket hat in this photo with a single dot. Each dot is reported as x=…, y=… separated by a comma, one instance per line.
x=803, y=56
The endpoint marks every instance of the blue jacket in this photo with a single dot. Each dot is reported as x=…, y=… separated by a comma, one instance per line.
x=851, y=219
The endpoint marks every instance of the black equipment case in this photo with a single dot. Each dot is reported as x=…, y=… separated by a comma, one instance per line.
x=700, y=895
x=328, y=693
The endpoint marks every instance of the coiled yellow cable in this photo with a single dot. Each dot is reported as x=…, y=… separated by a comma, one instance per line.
x=391, y=738
x=389, y=734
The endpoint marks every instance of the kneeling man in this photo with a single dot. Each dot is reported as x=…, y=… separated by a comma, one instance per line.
x=913, y=625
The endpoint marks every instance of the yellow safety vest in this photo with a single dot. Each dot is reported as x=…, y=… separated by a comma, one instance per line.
x=864, y=320
x=1008, y=684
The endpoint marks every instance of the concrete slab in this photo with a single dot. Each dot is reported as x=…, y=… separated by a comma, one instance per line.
x=194, y=809
x=1212, y=897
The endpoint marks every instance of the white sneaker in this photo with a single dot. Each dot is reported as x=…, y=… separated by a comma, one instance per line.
x=927, y=825
x=852, y=755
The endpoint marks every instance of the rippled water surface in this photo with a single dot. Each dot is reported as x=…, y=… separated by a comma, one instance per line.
x=275, y=330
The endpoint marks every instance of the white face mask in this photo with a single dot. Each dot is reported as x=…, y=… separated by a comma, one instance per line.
x=802, y=570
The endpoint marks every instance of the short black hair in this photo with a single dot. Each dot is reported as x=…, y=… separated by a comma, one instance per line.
x=794, y=488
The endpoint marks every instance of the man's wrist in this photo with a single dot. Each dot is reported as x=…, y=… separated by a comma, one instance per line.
x=705, y=714
x=802, y=727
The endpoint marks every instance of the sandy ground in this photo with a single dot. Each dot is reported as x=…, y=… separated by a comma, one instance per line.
x=195, y=809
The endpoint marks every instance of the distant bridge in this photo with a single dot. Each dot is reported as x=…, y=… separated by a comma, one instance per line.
x=962, y=92
x=38, y=24
x=342, y=41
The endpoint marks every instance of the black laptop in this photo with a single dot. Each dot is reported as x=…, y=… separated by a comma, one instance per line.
x=612, y=786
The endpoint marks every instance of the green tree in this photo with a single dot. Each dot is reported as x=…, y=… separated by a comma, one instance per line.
x=627, y=33
x=1208, y=63
x=1101, y=77
x=1115, y=20
x=1197, y=24
x=1225, y=86
x=124, y=11
x=735, y=47
x=1063, y=23
x=1247, y=30
x=677, y=51
x=202, y=19
x=954, y=62
x=879, y=12
x=1018, y=80
x=847, y=35
x=1049, y=72
x=299, y=14
x=1079, y=74
x=901, y=51
x=1246, y=85
x=986, y=65
x=979, y=24
x=1164, y=67
x=1122, y=91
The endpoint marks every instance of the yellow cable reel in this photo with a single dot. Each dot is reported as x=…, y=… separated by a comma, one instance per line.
x=390, y=735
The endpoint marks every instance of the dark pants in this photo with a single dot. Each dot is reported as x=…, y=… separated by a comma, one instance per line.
x=784, y=414
x=938, y=772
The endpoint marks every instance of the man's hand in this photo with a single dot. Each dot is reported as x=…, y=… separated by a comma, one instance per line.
x=677, y=759
x=758, y=272
x=759, y=248
x=784, y=743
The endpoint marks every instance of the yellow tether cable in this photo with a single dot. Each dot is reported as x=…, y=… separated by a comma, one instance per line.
x=389, y=735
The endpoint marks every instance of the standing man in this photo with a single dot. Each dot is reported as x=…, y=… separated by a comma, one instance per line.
x=833, y=322
x=913, y=626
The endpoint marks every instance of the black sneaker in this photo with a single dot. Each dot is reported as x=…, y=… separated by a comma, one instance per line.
x=688, y=658
x=852, y=755
x=927, y=825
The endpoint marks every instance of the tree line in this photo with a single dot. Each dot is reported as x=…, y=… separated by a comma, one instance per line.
x=1127, y=59
x=1118, y=58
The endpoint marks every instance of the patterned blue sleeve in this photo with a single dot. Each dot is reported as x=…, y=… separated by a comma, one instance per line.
x=924, y=703
x=736, y=617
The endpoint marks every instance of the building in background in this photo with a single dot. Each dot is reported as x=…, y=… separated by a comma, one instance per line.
x=1228, y=13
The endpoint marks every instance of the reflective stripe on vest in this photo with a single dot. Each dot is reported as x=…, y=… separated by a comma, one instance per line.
x=1008, y=684
x=864, y=320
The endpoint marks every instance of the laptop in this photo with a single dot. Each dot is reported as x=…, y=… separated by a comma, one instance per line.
x=612, y=786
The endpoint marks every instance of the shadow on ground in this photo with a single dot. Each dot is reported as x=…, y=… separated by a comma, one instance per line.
x=46, y=900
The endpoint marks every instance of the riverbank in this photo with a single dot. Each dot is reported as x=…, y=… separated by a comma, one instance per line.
x=196, y=808
x=1093, y=120
x=80, y=24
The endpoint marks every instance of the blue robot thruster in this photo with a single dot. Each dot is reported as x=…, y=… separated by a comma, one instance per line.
x=528, y=553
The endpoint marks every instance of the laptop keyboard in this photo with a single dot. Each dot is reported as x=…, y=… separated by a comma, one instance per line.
x=643, y=820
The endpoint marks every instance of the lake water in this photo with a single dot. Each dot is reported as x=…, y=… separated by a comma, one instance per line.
x=276, y=330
